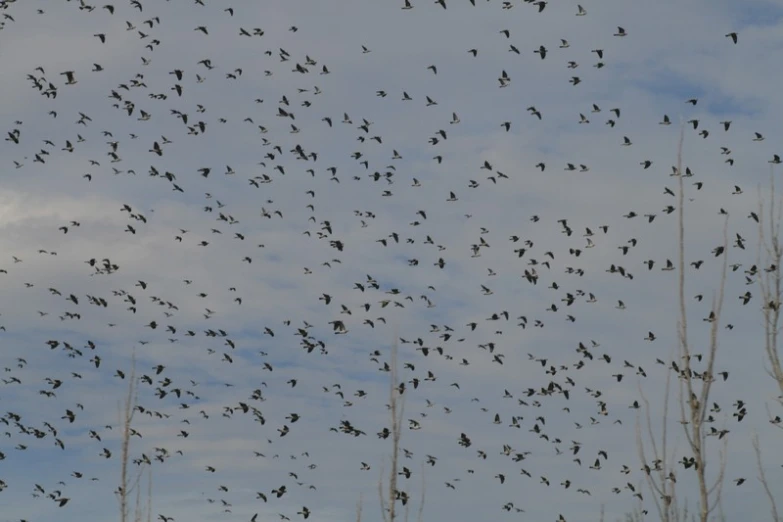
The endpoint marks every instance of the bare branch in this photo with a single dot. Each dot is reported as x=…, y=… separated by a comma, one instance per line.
x=149, y=494
x=770, y=281
x=419, y=517
x=763, y=479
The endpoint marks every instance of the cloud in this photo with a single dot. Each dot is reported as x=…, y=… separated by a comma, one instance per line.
x=241, y=271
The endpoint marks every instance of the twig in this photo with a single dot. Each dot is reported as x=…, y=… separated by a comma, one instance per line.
x=763, y=479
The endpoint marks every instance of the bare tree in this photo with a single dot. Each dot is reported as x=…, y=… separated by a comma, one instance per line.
x=694, y=395
x=659, y=470
x=389, y=496
x=694, y=406
x=764, y=482
x=770, y=280
x=124, y=491
x=396, y=409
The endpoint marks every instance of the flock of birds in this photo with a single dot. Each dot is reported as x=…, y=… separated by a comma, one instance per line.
x=298, y=187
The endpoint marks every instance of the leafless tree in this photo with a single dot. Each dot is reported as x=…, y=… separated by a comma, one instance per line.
x=391, y=494
x=694, y=397
x=764, y=482
x=770, y=281
x=124, y=491
x=659, y=470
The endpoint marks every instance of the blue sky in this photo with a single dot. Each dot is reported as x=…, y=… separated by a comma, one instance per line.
x=672, y=52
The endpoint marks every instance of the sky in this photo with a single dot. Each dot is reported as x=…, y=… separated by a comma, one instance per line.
x=244, y=271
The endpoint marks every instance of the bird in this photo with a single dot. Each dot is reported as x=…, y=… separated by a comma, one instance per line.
x=69, y=75
x=252, y=287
